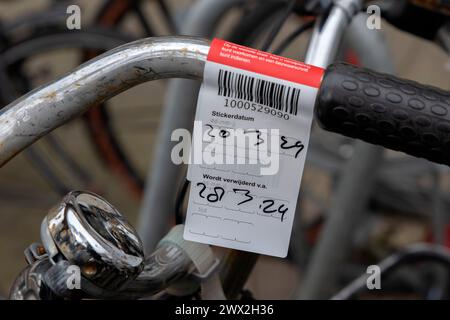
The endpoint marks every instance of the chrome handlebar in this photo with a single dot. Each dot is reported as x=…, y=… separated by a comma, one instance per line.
x=34, y=115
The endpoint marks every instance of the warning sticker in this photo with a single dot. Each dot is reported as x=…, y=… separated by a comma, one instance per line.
x=251, y=133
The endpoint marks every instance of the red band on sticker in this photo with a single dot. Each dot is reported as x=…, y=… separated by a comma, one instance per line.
x=265, y=63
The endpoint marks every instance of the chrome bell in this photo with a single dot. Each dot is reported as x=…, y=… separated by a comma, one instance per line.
x=88, y=232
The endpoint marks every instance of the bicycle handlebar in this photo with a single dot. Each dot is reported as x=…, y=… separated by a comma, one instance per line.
x=44, y=109
x=378, y=108
x=382, y=109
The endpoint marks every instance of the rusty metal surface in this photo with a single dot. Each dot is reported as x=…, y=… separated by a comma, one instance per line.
x=27, y=119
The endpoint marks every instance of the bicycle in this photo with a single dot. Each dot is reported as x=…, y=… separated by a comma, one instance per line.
x=189, y=64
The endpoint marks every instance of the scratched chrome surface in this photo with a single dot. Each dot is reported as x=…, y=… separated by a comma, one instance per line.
x=88, y=232
x=28, y=118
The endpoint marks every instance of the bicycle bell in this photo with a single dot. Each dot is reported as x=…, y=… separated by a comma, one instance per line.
x=88, y=232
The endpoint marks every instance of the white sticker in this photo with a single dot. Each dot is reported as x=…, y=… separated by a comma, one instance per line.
x=251, y=133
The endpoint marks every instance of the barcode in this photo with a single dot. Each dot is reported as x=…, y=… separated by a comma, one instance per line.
x=267, y=93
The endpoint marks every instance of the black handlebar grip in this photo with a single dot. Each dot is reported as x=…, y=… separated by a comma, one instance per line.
x=382, y=109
